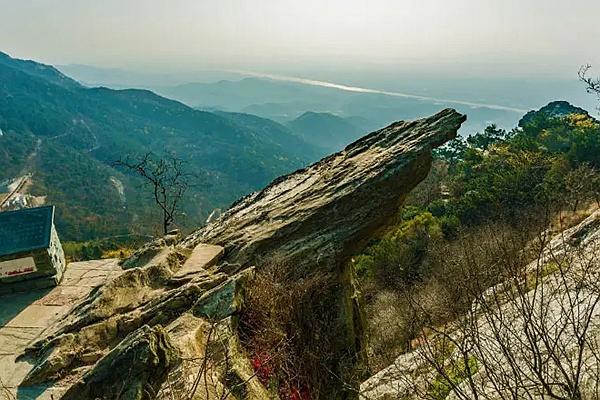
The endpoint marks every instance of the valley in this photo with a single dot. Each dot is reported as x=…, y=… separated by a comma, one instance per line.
x=74, y=128
x=283, y=200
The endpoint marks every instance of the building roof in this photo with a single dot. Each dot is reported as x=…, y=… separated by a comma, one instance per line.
x=25, y=230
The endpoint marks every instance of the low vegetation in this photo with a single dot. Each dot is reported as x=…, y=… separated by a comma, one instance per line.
x=286, y=328
x=533, y=333
x=112, y=247
x=488, y=198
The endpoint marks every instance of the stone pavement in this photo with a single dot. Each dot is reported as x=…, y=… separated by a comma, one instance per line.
x=24, y=317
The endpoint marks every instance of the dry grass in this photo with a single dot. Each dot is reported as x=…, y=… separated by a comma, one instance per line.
x=454, y=271
x=568, y=218
x=288, y=327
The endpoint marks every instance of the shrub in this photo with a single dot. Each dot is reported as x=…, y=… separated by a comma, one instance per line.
x=452, y=272
x=395, y=260
x=287, y=326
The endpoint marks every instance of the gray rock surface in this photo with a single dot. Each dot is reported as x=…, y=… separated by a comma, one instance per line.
x=316, y=217
x=311, y=221
x=139, y=364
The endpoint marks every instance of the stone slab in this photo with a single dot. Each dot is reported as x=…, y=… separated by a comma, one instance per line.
x=11, y=305
x=24, y=317
x=64, y=295
x=37, y=316
x=14, y=340
x=85, y=273
x=88, y=278
x=91, y=273
x=109, y=264
x=13, y=371
x=203, y=257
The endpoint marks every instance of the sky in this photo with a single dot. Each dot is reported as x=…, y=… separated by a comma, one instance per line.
x=504, y=38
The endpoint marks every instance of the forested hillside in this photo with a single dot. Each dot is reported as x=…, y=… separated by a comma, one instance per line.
x=68, y=136
x=486, y=198
x=327, y=131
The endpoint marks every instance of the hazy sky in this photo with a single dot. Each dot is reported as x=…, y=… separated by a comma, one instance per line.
x=552, y=36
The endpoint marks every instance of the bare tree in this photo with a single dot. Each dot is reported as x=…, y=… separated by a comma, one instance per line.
x=533, y=336
x=592, y=84
x=167, y=179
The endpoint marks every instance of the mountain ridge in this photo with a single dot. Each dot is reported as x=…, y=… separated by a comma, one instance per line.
x=96, y=126
x=326, y=130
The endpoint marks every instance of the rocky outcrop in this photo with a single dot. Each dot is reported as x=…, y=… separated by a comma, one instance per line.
x=175, y=300
x=140, y=364
x=318, y=216
x=314, y=219
x=535, y=335
x=554, y=109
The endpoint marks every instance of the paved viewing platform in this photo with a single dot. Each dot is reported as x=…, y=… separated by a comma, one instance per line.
x=26, y=316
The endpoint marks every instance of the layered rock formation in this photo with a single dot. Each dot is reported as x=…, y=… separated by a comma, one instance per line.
x=176, y=307
x=318, y=216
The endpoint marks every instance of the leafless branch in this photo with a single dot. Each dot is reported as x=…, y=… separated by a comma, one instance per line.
x=592, y=84
x=166, y=178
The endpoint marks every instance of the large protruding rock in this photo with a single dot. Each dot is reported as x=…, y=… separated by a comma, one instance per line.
x=319, y=215
x=314, y=219
x=310, y=221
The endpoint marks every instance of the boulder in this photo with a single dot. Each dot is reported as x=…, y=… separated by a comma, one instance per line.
x=314, y=219
x=134, y=370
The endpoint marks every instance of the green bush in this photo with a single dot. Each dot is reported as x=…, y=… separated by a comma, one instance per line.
x=496, y=190
x=395, y=260
x=453, y=375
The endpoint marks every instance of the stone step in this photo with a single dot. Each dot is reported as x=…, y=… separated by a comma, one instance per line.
x=27, y=315
x=202, y=258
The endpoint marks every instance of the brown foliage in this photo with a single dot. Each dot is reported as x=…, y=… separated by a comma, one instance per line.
x=288, y=327
x=454, y=272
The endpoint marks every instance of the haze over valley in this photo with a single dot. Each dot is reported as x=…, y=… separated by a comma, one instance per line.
x=378, y=102
x=299, y=200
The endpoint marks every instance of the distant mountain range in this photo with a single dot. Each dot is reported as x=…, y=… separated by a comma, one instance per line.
x=379, y=98
x=67, y=135
x=327, y=131
x=285, y=100
x=234, y=135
